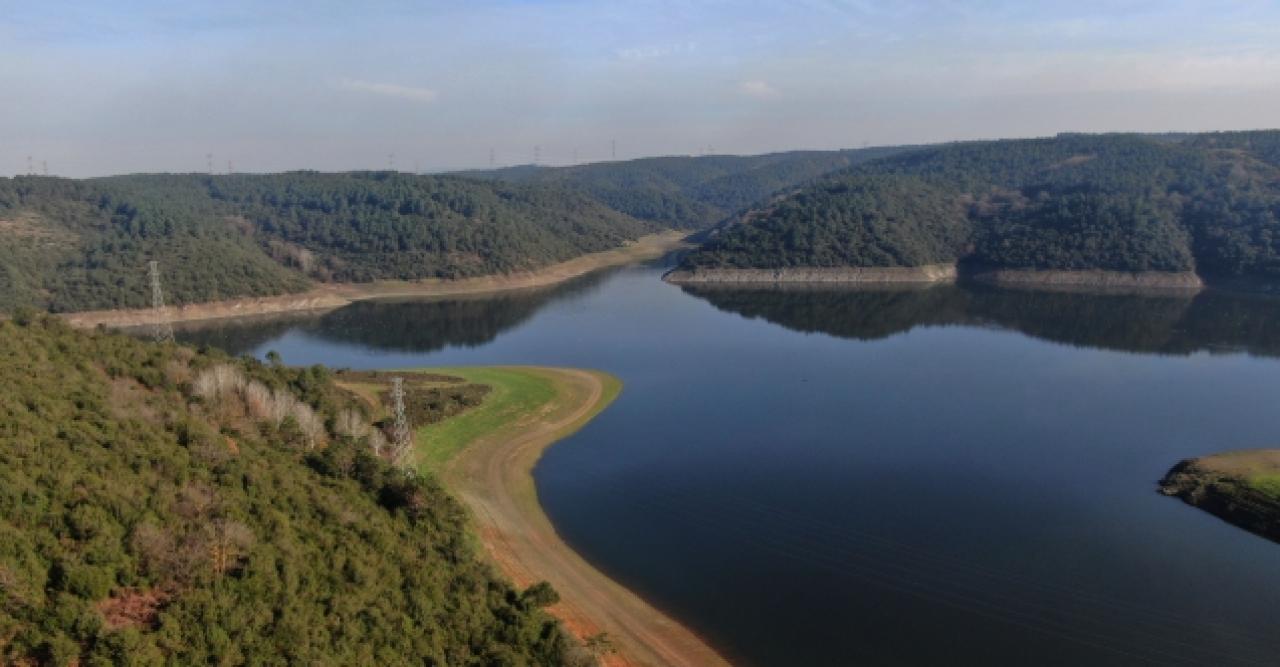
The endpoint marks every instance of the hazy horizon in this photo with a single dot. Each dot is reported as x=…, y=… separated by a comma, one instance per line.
x=98, y=91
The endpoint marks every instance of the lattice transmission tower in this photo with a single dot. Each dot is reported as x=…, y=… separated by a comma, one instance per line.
x=162, y=329
x=402, y=437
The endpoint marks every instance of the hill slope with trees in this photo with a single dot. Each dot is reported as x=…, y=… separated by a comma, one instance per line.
x=690, y=192
x=164, y=506
x=1206, y=203
x=69, y=245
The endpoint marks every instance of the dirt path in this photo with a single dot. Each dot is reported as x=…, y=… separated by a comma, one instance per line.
x=328, y=297
x=494, y=478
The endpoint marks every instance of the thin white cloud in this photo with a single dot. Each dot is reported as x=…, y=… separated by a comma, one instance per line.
x=758, y=89
x=654, y=52
x=413, y=93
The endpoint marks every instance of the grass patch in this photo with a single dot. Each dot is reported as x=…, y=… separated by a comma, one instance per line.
x=1268, y=484
x=516, y=395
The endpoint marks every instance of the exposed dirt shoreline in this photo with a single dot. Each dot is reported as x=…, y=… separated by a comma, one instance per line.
x=942, y=273
x=934, y=273
x=328, y=297
x=494, y=477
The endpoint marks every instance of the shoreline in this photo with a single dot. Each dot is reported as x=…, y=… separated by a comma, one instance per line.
x=943, y=274
x=332, y=296
x=932, y=273
x=493, y=477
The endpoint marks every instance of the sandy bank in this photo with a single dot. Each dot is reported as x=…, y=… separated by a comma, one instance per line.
x=1242, y=488
x=493, y=477
x=327, y=297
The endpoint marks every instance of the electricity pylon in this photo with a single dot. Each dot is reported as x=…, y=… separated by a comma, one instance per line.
x=162, y=329
x=402, y=437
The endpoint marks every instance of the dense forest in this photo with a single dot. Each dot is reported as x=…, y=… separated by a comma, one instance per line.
x=1208, y=203
x=70, y=245
x=691, y=192
x=163, y=506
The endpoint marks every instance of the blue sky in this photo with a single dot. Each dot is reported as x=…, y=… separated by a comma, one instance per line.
x=113, y=87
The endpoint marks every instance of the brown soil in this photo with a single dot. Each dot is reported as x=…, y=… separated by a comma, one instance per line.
x=132, y=608
x=330, y=296
x=494, y=478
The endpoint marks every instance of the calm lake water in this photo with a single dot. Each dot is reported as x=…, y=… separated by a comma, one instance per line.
x=906, y=477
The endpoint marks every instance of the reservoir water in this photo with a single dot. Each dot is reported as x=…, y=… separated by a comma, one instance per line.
x=950, y=475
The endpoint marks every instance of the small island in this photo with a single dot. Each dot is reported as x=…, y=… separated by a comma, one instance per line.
x=1241, y=487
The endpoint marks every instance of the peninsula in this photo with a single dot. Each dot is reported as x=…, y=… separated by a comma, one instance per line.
x=486, y=456
x=1241, y=487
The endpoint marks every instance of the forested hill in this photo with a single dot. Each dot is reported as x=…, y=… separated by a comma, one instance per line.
x=160, y=506
x=690, y=192
x=72, y=245
x=1208, y=203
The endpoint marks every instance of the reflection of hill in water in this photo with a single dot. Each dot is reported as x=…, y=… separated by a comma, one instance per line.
x=1161, y=323
x=405, y=325
x=240, y=335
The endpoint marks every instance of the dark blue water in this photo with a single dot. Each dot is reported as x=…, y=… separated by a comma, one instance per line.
x=834, y=477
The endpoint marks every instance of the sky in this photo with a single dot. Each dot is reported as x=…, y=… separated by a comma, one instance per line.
x=96, y=88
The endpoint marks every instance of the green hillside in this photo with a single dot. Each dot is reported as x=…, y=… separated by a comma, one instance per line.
x=691, y=192
x=1209, y=203
x=72, y=245
x=160, y=506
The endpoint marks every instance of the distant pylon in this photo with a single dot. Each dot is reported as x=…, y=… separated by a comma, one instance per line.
x=162, y=329
x=575, y=156
x=537, y=152
x=44, y=165
x=391, y=161
x=208, y=158
x=31, y=166
x=402, y=437
x=230, y=169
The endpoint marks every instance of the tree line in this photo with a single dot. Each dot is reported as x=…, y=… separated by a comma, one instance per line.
x=69, y=245
x=161, y=505
x=1208, y=203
